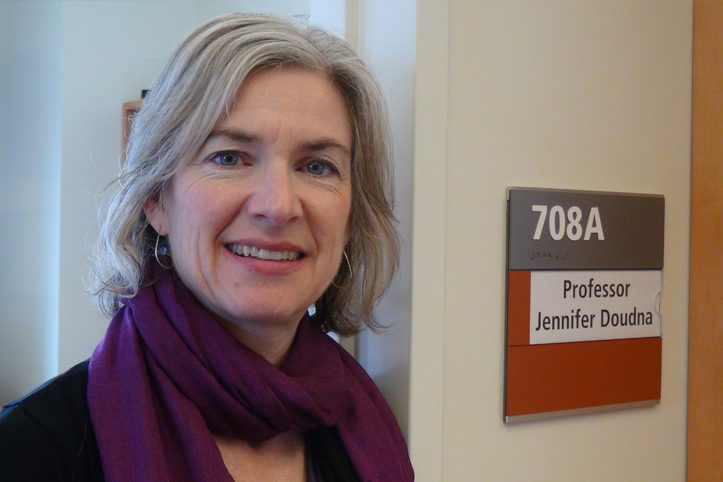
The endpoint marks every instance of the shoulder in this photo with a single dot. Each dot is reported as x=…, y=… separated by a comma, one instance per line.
x=47, y=434
x=59, y=401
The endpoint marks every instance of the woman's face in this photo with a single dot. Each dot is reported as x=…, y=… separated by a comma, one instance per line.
x=257, y=221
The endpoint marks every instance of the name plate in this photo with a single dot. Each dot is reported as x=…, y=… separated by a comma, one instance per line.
x=570, y=306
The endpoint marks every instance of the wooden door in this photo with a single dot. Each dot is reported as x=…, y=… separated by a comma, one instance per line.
x=705, y=391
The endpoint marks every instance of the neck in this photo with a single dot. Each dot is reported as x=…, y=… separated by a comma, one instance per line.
x=272, y=342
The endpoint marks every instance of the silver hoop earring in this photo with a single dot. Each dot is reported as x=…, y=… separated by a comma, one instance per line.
x=348, y=263
x=155, y=253
x=351, y=273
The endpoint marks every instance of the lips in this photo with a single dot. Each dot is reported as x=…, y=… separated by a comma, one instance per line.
x=250, y=251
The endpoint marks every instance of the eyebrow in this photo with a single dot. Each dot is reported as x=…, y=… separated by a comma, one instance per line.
x=247, y=137
x=234, y=135
x=326, y=143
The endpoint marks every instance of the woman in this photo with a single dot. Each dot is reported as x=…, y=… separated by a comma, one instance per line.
x=256, y=185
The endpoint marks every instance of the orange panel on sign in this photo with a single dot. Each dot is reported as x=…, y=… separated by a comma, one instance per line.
x=567, y=376
x=518, y=308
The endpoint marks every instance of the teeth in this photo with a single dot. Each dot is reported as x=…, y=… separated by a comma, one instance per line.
x=243, y=250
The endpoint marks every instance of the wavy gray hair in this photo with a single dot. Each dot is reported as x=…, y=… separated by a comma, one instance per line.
x=196, y=87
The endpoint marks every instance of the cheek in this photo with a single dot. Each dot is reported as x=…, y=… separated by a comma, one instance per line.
x=204, y=205
x=336, y=225
x=197, y=219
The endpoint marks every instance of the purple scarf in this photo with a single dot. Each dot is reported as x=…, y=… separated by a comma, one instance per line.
x=167, y=375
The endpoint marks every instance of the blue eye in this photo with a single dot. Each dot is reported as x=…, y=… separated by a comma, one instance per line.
x=317, y=168
x=227, y=158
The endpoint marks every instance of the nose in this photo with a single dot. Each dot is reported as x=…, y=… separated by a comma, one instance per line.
x=275, y=199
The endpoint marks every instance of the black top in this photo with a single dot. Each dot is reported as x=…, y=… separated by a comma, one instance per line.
x=47, y=436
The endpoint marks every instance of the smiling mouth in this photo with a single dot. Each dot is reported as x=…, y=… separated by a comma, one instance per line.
x=254, y=252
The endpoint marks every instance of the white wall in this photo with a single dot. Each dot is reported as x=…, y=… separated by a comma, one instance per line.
x=387, y=39
x=425, y=435
x=588, y=95
x=29, y=193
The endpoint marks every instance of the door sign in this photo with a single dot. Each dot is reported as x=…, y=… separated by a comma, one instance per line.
x=584, y=330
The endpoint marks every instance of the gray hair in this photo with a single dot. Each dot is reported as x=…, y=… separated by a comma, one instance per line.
x=198, y=86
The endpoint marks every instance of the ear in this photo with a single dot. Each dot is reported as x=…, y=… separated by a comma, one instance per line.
x=156, y=215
